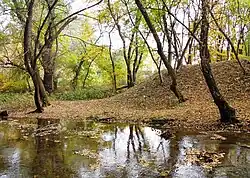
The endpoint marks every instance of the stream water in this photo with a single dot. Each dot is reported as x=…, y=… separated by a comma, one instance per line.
x=63, y=148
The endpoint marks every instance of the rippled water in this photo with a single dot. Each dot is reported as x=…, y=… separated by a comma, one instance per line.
x=63, y=148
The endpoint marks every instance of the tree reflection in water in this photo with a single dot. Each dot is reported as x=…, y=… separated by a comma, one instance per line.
x=49, y=158
x=90, y=149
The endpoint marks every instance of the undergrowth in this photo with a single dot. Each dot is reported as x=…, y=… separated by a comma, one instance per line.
x=15, y=100
x=82, y=94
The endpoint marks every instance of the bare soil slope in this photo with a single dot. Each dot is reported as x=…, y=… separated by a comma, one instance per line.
x=151, y=99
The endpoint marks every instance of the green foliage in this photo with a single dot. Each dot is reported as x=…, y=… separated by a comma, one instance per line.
x=13, y=83
x=83, y=94
x=15, y=100
x=14, y=86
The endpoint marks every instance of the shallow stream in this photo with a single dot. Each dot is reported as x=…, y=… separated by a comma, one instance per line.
x=64, y=148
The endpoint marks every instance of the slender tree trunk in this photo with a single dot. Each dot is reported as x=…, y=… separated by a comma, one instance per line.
x=220, y=47
x=227, y=113
x=112, y=63
x=170, y=69
x=87, y=74
x=240, y=41
x=189, y=61
x=230, y=44
x=77, y=73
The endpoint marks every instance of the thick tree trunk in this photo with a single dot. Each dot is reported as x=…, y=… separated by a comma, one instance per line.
x=160, y=51
x=48, y=66
x=129, y=77
x=42, y=92
x=37, y=93
x=227, y=113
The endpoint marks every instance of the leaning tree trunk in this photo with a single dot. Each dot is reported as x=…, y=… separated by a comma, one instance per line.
x=160, y=51
x=227, y=113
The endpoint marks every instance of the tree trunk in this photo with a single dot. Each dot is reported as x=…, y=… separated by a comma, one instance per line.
x=189, y=61
x=48, y=66
x=37, y=94
x=219, y=44
x=112, y=63
x=77, y=73
x=129, y=77
x=227, y=113
x=29, y=61
x=42, y=92
x=87, y=74
x=160, y=51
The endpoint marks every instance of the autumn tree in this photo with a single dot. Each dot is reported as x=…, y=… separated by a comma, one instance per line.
x=160, y=51
x=33, y=51
x=227, y=113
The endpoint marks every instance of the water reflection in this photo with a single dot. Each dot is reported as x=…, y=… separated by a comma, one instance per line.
x=63, y=148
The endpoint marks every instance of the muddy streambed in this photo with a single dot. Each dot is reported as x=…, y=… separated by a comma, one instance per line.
x=64, y=148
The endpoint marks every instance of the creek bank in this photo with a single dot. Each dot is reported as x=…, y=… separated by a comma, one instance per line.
x=152, y=99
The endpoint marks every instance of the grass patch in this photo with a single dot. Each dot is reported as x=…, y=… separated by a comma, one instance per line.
x=15, y=100
x=83, y=94
x=19, y=101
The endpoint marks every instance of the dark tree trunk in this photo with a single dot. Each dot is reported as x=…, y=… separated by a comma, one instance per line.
x=112, y=64
x=170, y=69
x=189, y=61
x=129, y=77
x=42, y=92
x=37, y=94
x=40, y=96
x=136, y=64
x=227, y=113
x=241, y=41
x=114, y=75
x=48, y=81
x=29, y=61
x=77, y=73
x=219, y=44
x=48, y=64
x=87, y=74
x=55, y=81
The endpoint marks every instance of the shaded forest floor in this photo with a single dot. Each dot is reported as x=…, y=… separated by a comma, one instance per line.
x=152, y=100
